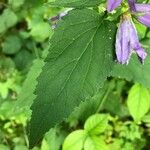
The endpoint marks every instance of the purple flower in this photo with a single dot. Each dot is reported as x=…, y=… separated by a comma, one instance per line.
x=142, y=10
x=112, y=4
x=127, y=41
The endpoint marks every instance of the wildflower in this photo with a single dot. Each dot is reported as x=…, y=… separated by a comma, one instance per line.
x=112, y=4
x=127, y=41
x=142, y=11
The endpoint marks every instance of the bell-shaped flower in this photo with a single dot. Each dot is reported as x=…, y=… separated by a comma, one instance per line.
x=112, y=4
x=127, y=41
x=142, y=11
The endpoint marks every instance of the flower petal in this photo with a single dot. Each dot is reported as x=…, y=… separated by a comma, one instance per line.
x=132, y=5
x=141, y=54
x=145, y=19
x=135, y=44
x=122, y=43
x=142, y=8
x=112, y=4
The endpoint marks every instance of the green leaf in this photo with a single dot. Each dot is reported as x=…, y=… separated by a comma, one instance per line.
x=9, y=18
x=76, y=3
x=138, y=101
x=90, y=106
x=95, y=143
x=40, y=31
x=79, y=60
x=26, y=95
x=4, y=147
x=12, y=44
x=114, y=106
x=23, y=59
x=96, y=124
x=3, y=28
x=54, y=138
x=15, y=4
x=75, y=140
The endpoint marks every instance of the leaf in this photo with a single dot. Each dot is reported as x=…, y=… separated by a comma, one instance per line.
x=55, y=137
x=12, y=44
x=26, y=96
x=9, y=18
x=95, y=143
x=138, y=101
x=40, y=31
x=114, y=106
x=96, y=124
x=23, y=59
x=135, y=70
x=15, y=4
x=90, y=106
x=4, y=147
x=79, y=60
x=76, y=3
x=75, y=140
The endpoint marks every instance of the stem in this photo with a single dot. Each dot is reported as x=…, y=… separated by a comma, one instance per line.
x=147, y=1
x=36, y=50
x=104, y=99
x=147, y=31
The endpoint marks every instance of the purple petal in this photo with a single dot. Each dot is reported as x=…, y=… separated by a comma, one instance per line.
x=145, y=19
x=112, y=4
x=132, y=5
x=135, y=44
x=141, y=54
x=134, y=41
x=122, y=43
x=142, y=7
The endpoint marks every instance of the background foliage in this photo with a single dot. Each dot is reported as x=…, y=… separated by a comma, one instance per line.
x=117, y=117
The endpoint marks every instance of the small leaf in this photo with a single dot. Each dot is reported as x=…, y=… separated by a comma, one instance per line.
x=95, y=143
x=55, y=137
x=96, y=124
x=138, y=101
x=76, y=3
x=40, y=31
x=15, y=4
x=26, y=95
x=11, y=45
x=10, y=18
x=75, y=140
x=23, y=59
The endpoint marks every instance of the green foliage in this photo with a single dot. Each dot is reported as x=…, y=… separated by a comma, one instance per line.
x=68, y=87
x=20, y=44
x=8, y=19
x=26, y=96
x=75, y=140
x=88, y=138
x=138, y=101
x=95, y=143
x=76, y=3
x=38, y=34
x=72, y=68
x=11, y=45
x=96, y=124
